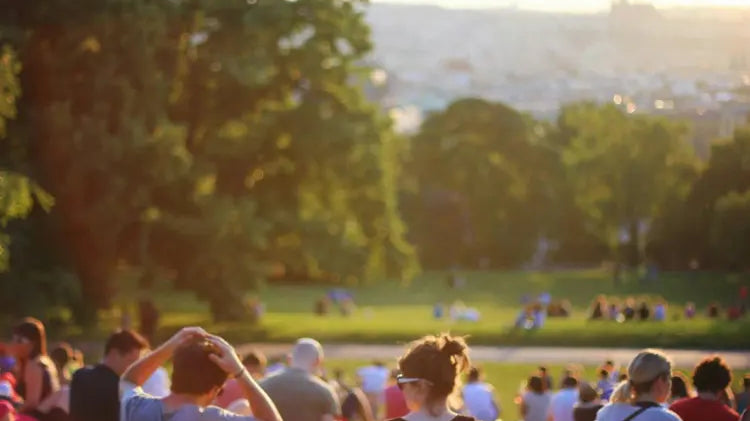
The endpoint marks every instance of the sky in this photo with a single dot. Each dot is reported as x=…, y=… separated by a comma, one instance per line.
x=572, y=6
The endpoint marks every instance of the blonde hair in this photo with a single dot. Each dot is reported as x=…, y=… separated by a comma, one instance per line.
x=622, y=393
x=646, y=367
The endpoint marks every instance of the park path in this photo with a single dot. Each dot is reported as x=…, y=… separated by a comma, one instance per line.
x=739, y=360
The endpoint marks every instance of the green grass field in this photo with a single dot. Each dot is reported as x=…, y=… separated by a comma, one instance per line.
x=389, y=312
x=508, y=378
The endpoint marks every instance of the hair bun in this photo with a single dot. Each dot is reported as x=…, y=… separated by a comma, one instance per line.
x=453, y=346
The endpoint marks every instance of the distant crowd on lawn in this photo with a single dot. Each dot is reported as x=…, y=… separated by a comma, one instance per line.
x=209, y=381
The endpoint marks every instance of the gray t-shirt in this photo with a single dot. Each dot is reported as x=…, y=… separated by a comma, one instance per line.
x=137, y=405
x=537, y=406
x=300, y=396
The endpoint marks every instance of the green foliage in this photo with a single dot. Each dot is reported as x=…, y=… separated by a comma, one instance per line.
x=623, y=170
x=730, y=229
x=479, y=186
x=688, y=232
x=207, y=142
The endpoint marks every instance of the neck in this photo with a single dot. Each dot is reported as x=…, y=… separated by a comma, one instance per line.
x=438, y=410
x=303, y=367
x=646, y=397
x=112, y=366
x=708, y=396
x=176, y=400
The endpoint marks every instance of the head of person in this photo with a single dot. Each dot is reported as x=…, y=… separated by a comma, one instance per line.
x=679, y=386
x=29, y=339
x=475, y=375
x=122, y=349
x=61, y=355
x=378, y=363
x=430, y=372
x=650, y=375
x=307, y=354
x=570, y=382
x=535, y=385
x=712, y=375
x=194, y=374
x=542, y=371
x=609, y=365
x=587, y=393
x=603, y=374
x=255, y=363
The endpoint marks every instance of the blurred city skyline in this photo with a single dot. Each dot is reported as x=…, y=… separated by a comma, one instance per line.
x=570, y=6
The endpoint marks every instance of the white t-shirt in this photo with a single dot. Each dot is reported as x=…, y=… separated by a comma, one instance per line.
x=374, y=378
x=478, y=401
x=537, y=406
x=158, y=384
x=620, y=411
x=562, y=404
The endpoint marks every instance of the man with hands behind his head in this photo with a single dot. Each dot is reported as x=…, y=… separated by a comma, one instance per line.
x=201, y=364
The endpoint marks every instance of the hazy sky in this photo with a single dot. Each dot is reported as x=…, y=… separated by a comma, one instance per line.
x=567, y=5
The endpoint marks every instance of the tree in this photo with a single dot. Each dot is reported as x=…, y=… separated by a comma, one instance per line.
x=623, y=170
x=730, y=230
x=685, y=233
x=207, y=141
x=478, y=189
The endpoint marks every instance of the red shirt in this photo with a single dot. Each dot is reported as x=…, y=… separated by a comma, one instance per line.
x=697, y=409
x=395, y=403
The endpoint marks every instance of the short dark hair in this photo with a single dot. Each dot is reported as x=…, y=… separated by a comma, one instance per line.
x=474, y=374
x=603, y=373
x=543, y=369
x=570, y=381
x=255, y=358
x=679, y=387
x=712, y=375
x=124, y=341
x=193, y=371
x=61, y=354
x=536, y=385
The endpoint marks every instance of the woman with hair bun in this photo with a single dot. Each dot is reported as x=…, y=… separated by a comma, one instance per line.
x=642, y=396
x=429, y=376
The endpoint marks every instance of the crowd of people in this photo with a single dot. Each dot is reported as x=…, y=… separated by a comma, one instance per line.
x=629, y=309
x=209, y=381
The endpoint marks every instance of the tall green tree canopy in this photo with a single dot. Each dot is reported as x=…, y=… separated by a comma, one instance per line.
x=623, y=170
x=207, y=141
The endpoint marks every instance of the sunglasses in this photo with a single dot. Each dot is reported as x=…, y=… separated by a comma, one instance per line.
x=401, y=380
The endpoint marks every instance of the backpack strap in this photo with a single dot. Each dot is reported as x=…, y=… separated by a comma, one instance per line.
x=644, y=406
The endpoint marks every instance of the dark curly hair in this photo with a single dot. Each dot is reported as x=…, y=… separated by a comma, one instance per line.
x=712, y=375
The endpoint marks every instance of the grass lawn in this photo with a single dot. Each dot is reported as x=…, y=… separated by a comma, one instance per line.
x=508, y=378
x=389, y=312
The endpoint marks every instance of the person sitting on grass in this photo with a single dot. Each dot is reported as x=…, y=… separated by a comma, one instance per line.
x=710, y=377
x=430, y=375
x=604, y=384
x=644, y=393
x=201, y=364
x=588, y=403
x=479, y=399
x=680, y=388
x=534, y=404
x=743, y=398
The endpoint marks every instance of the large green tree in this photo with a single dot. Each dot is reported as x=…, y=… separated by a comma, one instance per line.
x=687, y=233
x=207, y=141
x=623, y=170
x=478, y=190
